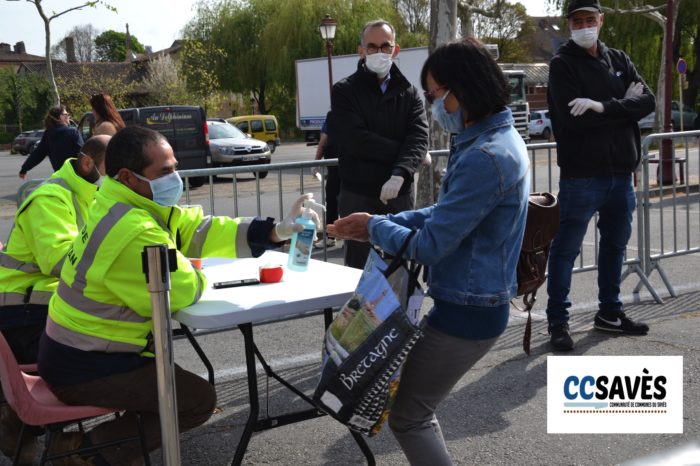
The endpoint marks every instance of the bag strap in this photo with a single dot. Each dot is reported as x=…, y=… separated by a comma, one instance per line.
x=398, y=260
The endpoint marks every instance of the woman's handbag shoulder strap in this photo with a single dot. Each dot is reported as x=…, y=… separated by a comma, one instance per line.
x=398, y=260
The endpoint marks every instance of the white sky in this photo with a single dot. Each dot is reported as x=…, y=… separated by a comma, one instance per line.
x=154, y=22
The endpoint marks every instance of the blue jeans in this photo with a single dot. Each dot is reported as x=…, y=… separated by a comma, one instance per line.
x=580, y=198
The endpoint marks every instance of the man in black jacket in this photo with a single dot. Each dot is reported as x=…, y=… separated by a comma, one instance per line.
x=595, y=99
x=381, y=131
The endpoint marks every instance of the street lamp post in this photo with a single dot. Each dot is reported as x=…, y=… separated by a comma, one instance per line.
x=327, y=28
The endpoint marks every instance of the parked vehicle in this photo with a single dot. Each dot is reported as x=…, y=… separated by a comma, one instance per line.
x=262, y=127
x=230, y=146
x=689, y=116
x=540, y=124
x=184, y=126
x=26, y=140
x=313, y=91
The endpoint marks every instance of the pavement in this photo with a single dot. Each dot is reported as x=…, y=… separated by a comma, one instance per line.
x=496, y=415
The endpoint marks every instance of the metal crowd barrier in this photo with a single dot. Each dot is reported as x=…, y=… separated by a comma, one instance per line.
x=669, y=226
x=662, y=208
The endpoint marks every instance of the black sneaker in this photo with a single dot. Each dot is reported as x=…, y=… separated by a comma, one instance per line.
x=620, y=324
x=560, y=337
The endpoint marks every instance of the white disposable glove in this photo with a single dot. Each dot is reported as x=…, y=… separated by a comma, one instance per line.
x=391, y=188
x=286, y=228
x=634, y=90
x=316, y=172
x=580, y=105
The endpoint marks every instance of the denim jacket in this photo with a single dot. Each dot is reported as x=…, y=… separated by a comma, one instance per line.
x=470, y=239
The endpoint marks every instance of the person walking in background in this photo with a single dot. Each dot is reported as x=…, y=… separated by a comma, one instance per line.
x=381, y=133
x=60, y=142
x=107, y=119
x=469, y=240
x=595, y=99
x=326, y=149
x=45, y=225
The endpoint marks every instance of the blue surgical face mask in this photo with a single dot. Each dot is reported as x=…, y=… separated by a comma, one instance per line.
x=450, y=121
x=166, y=190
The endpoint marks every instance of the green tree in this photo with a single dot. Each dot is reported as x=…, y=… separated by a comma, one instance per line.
x=111, y=46
x=195, y=65
x=263, y=38
x=507, y=25
x=24, y=98
x=91, y=79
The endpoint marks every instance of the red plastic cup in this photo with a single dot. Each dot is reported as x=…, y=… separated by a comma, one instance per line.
x=270, y=273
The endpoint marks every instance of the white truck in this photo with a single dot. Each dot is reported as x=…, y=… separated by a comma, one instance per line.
x=313, y=90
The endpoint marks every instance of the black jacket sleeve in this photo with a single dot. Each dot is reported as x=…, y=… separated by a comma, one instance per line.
x=415, y=145
x=39, y=153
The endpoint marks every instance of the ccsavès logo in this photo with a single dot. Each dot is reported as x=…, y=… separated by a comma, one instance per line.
x=614, y=394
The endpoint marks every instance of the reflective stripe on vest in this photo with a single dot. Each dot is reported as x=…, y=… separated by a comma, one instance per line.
x=15, y=299
x=199, y=237
x=79, y=221
x=87, y=342
x=11, y=263
x=74, y=296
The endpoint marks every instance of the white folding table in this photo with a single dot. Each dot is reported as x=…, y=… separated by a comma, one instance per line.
x=323, y=286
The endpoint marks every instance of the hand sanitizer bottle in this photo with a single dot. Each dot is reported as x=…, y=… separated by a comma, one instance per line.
x=303, y=241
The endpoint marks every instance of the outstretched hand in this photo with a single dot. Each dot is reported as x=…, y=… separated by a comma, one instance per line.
x=286, y=228
x=352, y=227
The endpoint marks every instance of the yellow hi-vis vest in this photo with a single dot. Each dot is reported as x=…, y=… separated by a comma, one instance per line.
x=45, y=225
x=102, y=302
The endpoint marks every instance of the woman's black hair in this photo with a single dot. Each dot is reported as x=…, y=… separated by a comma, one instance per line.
x=471, y=74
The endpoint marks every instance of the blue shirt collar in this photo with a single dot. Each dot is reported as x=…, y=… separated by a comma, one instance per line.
x=385, y=84
x=496, y=120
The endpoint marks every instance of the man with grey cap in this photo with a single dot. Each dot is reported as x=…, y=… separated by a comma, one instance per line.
x=595, y=98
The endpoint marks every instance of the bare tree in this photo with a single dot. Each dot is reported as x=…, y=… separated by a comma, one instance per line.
x=415, y=14
x=47, y=18
x=164, y=83
x=84, y=41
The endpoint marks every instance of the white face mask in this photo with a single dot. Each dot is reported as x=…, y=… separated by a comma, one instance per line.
x=378, y=63
x=585, y=38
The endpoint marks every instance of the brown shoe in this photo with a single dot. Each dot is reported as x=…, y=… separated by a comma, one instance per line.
x=10, y=426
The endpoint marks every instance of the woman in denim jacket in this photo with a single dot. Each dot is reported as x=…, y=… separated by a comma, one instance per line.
x=470, y=239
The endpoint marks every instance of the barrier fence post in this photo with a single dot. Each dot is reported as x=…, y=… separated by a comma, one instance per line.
x=157, y=270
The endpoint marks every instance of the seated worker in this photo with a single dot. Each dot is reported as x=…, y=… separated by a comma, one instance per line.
x=97, y=348
x=45, y=225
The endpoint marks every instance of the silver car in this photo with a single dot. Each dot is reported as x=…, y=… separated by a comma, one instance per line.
x=230, y=146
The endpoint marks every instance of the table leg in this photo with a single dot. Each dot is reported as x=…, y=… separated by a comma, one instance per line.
x=247, y=331
x=200, y=352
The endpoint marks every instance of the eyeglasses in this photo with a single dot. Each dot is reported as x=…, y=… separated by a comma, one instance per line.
x=384, y=48
x=430, y=95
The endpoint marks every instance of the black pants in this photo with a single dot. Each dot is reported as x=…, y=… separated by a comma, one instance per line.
x=349, y=202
